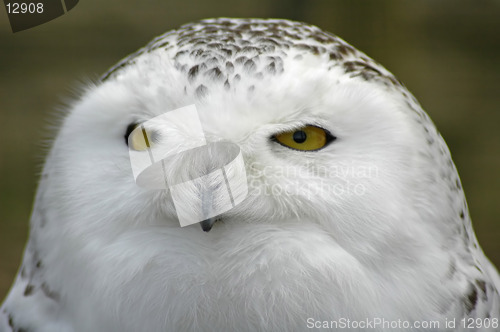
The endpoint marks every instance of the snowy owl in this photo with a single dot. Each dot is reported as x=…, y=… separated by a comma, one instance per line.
x=354, y=216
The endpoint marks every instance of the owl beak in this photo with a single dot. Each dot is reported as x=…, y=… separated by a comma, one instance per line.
x=207, y=224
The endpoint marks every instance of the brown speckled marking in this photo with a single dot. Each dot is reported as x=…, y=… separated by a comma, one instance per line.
x=201, y=91
x=192, y=73
x=471, y=299
x=482, y=285
x=28, y=290
x=12, y=325
x=48, y=292
x=220, y=48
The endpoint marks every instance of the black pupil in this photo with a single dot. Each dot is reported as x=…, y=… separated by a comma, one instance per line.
x=299, y=136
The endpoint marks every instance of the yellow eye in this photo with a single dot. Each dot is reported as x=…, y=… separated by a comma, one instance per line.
x=138, y=138
x=308, y=138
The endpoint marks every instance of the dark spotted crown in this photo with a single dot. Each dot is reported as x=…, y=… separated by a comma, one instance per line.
x=224, y=50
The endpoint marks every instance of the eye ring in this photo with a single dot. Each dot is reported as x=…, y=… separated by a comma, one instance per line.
x=308, y=138
x=130, y=129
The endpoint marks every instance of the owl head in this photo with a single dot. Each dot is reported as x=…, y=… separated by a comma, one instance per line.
x=330, y=141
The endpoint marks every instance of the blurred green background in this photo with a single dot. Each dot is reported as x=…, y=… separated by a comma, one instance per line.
x=447, y=52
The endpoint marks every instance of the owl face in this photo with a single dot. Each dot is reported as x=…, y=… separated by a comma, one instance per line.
x=321, y=149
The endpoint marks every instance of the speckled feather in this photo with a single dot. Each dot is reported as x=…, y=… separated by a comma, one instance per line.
x=222, y=50
x=220, y=57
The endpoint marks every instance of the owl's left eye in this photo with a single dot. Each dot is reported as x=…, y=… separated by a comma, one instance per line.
x=139, y=140
x=307, y=138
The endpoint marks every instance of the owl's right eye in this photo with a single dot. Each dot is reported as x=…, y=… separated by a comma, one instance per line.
x=307, y=138
x=137, y=138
